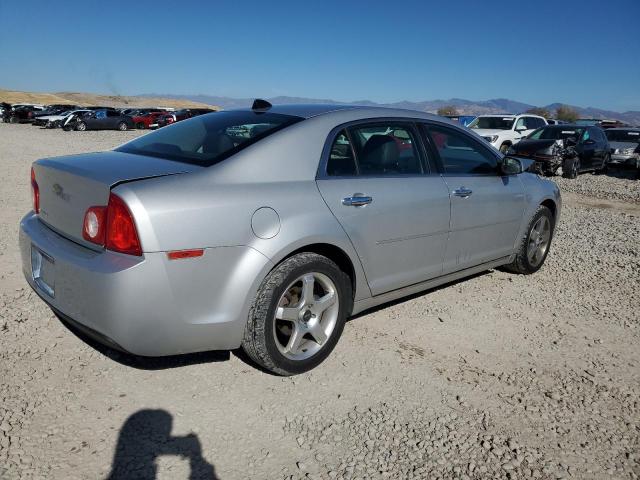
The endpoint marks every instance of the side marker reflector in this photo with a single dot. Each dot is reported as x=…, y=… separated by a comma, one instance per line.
x=180, y=254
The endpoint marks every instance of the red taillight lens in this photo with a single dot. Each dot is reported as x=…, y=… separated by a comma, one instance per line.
x=121, y=234
x=94, y=225
x=35, y=192
x=112, y=227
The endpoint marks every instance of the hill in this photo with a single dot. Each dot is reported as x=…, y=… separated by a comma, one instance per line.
x=464, y=107
x=86, y=99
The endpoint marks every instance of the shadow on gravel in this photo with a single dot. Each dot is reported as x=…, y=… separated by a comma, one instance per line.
x=148, y=363
x=145, y=436
x=624, y=172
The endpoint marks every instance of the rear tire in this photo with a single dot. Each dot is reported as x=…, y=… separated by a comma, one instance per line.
x=81, y=126
x=140, y=126
x=289, y=330
x=122, y=126
x=535, y=244
x=14, y=120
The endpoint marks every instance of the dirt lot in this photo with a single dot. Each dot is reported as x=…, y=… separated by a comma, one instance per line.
x=497, y=376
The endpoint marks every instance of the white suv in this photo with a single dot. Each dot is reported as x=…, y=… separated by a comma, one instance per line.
x=502, y=131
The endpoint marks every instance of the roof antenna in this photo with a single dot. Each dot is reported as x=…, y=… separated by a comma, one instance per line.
x=261, y=105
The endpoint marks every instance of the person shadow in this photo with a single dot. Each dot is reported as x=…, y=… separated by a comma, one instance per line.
x=145, y=436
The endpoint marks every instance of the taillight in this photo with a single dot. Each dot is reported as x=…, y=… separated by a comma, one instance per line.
x=35, y=192
x=112, y=227
x=121, y=233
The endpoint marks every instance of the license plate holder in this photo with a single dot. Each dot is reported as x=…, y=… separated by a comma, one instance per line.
x=43, y=271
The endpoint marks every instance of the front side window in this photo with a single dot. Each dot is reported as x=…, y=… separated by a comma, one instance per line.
x=208, y=139
x=460, y=154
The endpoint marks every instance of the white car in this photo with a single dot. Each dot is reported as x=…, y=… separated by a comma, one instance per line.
x=502, y=131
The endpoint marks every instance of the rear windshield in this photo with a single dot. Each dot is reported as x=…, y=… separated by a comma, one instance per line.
x=209, y=139
x=493, y=123
x=627, y=136
x=556, y=133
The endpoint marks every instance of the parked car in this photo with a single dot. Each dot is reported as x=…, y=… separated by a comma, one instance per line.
x=193, y=238
x=55, y=109
x=57, y=121
x=145, y=120
x=24, y=113
x=103, y=120
x=575, y=148
x=503, y=131
x=164, y=120
x=5, y=111
x=625, y=146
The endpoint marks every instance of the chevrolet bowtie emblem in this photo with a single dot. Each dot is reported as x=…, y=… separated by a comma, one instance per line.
x=59, y=191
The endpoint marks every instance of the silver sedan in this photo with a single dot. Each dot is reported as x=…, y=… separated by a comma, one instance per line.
x=266, y=228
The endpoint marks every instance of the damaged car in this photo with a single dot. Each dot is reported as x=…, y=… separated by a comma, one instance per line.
x=574, y=148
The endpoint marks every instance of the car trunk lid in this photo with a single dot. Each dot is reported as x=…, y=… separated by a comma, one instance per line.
x=69, y=185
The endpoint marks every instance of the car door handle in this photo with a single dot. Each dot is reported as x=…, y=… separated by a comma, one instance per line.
x=462, y=192
x=357, y=200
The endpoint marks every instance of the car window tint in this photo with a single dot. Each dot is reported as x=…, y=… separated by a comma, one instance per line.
x=208, y=139
x=386, y=149
x=460, y=154
x=341, y=161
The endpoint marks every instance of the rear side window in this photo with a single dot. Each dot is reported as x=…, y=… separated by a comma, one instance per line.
x=460, y=154
x=341, y=161
x=208, y=139
x=375, y=150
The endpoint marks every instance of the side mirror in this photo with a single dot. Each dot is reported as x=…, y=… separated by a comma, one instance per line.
x=521, y=128
x=511, y=166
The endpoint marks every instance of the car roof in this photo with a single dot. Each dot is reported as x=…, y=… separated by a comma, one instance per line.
x=314, y=110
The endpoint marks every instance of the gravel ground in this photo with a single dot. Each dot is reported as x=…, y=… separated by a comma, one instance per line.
x=497, y=376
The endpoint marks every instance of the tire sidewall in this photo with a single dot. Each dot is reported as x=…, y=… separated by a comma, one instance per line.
x=343, y=289
x=81, y=127
x=122, y=126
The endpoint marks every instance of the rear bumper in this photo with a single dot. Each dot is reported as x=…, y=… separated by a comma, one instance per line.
x=148, y=305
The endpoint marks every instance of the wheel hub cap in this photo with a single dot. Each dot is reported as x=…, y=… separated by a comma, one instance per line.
x=306, y=316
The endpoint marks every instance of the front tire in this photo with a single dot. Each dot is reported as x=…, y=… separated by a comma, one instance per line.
x=571, y=167
x=535, y=244
x=298, y=314
x=140, y=126
x=81, y=126
x=122, y=126
x=504, y=148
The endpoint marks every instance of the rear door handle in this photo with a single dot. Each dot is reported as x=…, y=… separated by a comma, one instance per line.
x=462, y=192
x=357, y=200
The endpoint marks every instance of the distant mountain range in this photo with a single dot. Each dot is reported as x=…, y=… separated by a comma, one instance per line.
x=464, y=107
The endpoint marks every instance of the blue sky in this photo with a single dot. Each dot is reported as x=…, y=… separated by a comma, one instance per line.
x=582, y=52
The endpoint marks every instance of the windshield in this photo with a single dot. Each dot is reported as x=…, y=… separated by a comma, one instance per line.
x=627, y=136
x=556, y=133
x=209, y=139
x=493, y=123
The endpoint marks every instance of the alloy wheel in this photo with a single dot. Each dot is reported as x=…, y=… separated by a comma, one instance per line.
x=539, y=238
x=306, y=316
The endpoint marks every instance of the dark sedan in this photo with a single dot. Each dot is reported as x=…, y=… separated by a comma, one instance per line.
x=104, y=120
x=575, y=148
